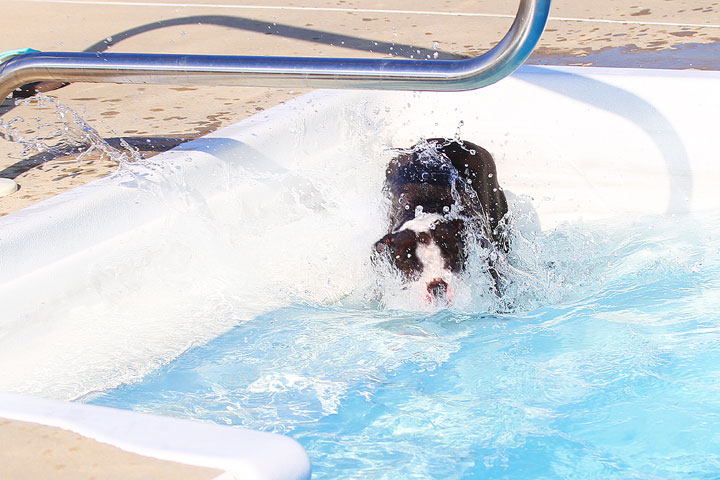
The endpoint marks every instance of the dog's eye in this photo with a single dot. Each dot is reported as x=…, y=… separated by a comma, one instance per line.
x=407, y=262
x=400, y=248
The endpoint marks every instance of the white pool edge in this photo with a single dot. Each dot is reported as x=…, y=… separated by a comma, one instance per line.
x=241, y=453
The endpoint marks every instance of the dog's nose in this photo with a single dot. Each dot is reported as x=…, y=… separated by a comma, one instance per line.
x=437, y=288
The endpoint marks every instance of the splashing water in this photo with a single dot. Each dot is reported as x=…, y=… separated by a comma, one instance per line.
x=216, y=262
x=602, y=362
x=69, y=134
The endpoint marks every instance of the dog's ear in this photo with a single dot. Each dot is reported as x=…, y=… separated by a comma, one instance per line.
x=382, y=244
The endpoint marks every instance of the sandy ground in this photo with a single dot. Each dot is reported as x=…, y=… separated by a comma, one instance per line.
x=33, y=452
x=612, y=33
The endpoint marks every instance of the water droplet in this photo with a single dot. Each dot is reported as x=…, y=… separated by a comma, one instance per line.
x=435, y=45
x=108, y=40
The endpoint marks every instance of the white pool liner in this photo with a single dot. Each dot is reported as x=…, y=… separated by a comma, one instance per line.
x=569, y=143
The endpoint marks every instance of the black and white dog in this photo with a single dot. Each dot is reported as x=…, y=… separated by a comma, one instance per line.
x=444, y=194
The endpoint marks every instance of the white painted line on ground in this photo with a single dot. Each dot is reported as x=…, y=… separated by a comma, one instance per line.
x=364, y=10
x=634, y=22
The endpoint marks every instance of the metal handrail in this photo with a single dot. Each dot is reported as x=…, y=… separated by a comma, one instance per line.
x=295, y=72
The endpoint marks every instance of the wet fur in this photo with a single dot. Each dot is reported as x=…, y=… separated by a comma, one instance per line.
x=460, y=184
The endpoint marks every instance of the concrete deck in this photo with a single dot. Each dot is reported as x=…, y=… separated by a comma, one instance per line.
x=31, y=451
x=649, y=33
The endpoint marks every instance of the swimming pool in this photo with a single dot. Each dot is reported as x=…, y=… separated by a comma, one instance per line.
x=615, y=377
x=229, y=280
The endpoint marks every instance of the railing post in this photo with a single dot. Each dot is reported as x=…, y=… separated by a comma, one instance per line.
x=385, y=74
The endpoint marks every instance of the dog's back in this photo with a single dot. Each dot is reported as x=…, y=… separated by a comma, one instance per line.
x=440, y=174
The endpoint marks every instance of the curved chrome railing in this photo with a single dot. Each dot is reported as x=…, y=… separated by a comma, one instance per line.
x=393, y=74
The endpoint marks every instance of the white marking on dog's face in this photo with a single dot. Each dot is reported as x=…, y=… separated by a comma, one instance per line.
x=421, y=223
x=436, y=280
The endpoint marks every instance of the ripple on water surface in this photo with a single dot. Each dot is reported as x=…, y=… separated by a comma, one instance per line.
x=612, y=376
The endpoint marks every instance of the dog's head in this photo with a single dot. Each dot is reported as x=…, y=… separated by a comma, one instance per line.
x=428, y=250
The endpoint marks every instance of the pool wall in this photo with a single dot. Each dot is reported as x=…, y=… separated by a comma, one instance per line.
x=570, y=144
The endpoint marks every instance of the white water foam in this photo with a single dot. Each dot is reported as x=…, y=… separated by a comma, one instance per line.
x=271, y=238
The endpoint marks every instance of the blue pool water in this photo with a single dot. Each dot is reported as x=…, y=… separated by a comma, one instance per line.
x=607, y=367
